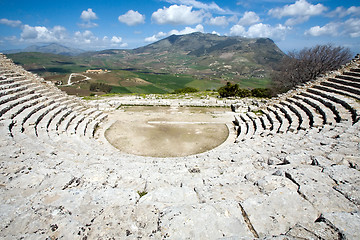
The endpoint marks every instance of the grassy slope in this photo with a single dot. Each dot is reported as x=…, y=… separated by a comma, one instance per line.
x=48, y=65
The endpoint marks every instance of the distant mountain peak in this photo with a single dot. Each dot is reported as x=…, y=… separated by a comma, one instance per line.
x=54, y=48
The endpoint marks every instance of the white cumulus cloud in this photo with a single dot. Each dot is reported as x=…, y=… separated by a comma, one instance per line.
x=197, y=4
x=342, y=12
x=88, y=15
x=237, y=30
x=132, y=18
x=350, y=27
x=43, y=34
x=177, y=15
x=262, y=30
x=218, y=21
x=249, y=18
x=156, y=37
x=115, y=39
x=329, y=29
x=11, y=23
x=299, y=12
x=186, y=30
x=86, y=37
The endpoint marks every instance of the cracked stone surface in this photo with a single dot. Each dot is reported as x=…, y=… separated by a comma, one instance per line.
x=302, y=185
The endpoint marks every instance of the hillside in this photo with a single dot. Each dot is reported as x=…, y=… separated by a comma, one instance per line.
x=53, y=48
x=199, y=54
x=204, y=61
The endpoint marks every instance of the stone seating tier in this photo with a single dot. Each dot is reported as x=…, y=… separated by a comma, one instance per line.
x=60, y=184
x=327, y=101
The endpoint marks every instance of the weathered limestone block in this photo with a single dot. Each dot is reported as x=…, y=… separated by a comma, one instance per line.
x=277, y=212
x=215, y=192
x=317, y=188
x=348, y=181
x=347, y=224
x=125, y=222
x=316, y=230
x=271, y=183
x=200, y=221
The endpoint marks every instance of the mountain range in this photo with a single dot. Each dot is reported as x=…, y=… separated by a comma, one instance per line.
x=203, y=56
x=53, y=48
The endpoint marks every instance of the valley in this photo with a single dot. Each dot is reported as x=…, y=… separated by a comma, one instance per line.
x=201, y=61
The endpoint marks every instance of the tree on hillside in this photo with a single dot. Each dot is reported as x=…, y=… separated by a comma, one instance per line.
x=233, y=90
x=307, y=64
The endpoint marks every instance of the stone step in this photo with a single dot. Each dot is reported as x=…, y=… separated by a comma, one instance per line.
x=56, y=121
x=317, y=109
x=92, y=127
x=238, y=128
x=68, y=120
x=326, y=102
x=4, y=80
x=241, y=132
x=275, y=124
x=25, y=83
x=250, y=130
x=304, y=121
x=335, y=91
x=13, y=112
x=9, y=85
x=258, y=129
x=15, y=76
x=38, y=116
x=12, y=90
x=347, y=90
x=280, y=117
x=327, y=114
x=291, y=117
x=345, y=82
x=23, y=114
x=34, y=112
x=351, y=76
x=42, y=126
x=355, y=70
x=337, y=97
x=266, y=125
x=62, y=119
x=30, y=126
x=4, y=108
x=84, y=125
x=295, y=116
x=306, y=109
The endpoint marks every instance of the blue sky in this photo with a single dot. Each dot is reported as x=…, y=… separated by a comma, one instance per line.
x=96, y=25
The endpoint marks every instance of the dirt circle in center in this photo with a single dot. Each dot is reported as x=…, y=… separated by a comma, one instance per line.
x=168, y=131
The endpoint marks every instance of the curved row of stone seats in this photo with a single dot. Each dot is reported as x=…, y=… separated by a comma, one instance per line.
x=32, y=122
x=52, y=117
x=327, y=116
x=325, y=105
x=325, y=101
x=278, y=121
x=340, y=97
x=31, y=106
x=290, y=116
x=315, y=119
x=74, y=187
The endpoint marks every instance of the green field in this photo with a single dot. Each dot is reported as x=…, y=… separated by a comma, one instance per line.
x=124, y=79
x=254, y=83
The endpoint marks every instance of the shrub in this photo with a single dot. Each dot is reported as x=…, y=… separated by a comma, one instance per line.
x=185, y=90
x=100, y=87
x=233, y=90
x=307, y=64
x=261, y=92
